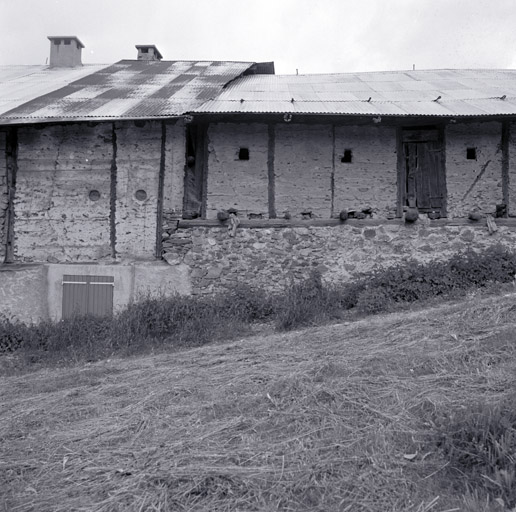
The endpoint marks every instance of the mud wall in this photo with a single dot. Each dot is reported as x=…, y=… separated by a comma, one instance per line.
x=62, y=200
x=475, y=183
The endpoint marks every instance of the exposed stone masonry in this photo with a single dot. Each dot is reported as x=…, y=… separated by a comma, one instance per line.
x=271, y=257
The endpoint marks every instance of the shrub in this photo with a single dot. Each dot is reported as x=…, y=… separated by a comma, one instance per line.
x=304, y=303
x=480, y=444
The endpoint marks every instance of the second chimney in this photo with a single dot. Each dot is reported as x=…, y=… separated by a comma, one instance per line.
x=65, y=51
x=148, y=52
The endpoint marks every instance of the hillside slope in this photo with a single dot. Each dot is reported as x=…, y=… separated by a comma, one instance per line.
x=341, y=417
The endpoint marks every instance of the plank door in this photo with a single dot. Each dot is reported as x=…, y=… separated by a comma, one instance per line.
x=87, y=295
x=424, y=173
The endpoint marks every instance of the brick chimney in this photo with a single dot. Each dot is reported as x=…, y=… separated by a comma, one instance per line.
x=148, y=52
x=65, y=51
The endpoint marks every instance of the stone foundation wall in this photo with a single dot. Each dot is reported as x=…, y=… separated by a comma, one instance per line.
x=272, y=257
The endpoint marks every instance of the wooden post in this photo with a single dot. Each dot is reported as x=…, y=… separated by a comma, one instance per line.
x=506, y=133
x=161, y=184
x=12, y=168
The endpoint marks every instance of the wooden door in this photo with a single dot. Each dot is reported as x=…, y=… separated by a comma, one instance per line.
x=424, y=173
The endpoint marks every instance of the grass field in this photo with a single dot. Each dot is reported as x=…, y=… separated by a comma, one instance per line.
x=350, y=417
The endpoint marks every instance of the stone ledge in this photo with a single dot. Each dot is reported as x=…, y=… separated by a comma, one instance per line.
x=282, y=223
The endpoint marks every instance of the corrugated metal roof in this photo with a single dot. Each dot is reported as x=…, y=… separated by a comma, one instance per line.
x=125, y=90
x=401, y=93
x=20, y=84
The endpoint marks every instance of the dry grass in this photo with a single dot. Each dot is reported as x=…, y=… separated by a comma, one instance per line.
x=334, y=418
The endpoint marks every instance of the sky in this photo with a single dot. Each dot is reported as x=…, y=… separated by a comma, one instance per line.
x=307, y=36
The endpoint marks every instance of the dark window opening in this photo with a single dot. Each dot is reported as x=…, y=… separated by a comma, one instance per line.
x=471, y=153
x=145, y=50
x=348, y=156
x=94, y=195
x=57, y=42
x=243, y=154
x=67, y=41
x=140, y=195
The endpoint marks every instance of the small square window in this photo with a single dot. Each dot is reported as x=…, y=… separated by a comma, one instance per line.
x=348, y=156
x=145, y=50
x=67, y=41
x=57, y=42
x=243, y=154
x=471, y=153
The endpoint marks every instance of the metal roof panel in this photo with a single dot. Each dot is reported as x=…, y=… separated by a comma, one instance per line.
x=119, y=90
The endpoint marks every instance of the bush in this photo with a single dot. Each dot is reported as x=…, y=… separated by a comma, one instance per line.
x=304, y=303
x=480, y=444
x=186, y=321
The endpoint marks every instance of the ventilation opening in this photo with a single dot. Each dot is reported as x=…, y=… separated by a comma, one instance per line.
x=471, y=153
x=348, y=156
x=243, y=154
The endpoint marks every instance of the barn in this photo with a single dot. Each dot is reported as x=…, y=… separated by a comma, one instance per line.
x=155, y=176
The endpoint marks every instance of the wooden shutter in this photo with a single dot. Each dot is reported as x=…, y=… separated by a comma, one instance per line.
x=87, y=295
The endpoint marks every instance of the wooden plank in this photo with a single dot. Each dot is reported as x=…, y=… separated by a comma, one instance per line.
x=401, y=172
x=161, y=184
x=506, y=134
x=420, y=135
x=11, y=152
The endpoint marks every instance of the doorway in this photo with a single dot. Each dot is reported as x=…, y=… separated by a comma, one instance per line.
x=422, y=173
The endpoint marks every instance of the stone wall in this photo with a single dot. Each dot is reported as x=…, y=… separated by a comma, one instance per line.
x=62, y=196
x=473, y=184
x=370, y=179
x=271, y=257
x=3, y=195
x=234, y=182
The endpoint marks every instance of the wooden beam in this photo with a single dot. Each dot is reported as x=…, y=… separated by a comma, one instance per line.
x=11, y=152
x=506, y=134
x=402, y=172
x=161, y=184
x=112, y=193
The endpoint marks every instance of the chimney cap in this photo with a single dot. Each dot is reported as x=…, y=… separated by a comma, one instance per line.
x=149, y=46
x=71, y=38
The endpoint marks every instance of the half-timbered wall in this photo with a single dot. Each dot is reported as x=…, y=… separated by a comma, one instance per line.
x=62, y=200
x=473, y=183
